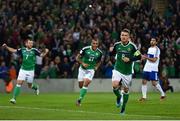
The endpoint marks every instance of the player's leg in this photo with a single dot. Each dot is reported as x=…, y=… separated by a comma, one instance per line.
x=125, y=99
x=144, y=86
x=158, y=87
x=116, y=85
x=144, y=90
x=89, y=74
x=81, y=75
x=81, y=84
x=154, y=79
x=126, y=81
x=84, y=89
x=32, y=85
x=17, y=89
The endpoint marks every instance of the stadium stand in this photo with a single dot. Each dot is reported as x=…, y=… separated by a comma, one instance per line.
x=65, y=26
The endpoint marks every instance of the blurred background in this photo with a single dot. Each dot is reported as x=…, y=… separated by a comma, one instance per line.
x=66, y=26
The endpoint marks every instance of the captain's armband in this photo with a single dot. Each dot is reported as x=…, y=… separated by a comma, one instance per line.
x=137, y=53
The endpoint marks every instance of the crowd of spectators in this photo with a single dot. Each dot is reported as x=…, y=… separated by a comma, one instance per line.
x=65, y=26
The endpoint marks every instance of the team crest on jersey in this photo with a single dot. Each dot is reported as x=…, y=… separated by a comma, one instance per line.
x=97, y=54
x=129, y=49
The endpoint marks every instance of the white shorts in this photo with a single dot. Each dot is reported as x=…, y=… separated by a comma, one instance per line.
x=26, y=75
x=89, y=74
x=125, y=79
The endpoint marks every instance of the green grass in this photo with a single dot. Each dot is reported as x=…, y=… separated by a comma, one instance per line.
x=95, y=106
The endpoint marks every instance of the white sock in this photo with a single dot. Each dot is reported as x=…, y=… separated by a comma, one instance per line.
x=160, y=89
x=144, y=91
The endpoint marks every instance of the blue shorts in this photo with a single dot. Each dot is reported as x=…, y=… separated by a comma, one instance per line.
x=150, y=76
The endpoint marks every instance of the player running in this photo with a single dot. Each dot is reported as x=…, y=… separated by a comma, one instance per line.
x=26, y=72
x=126, y=52
x=90, y=60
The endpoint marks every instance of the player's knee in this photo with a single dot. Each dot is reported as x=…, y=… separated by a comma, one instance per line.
x=154, y=83
x=115, y=84
x=19, y=82
x=81, y=84
x=126, y=90
x=144, y=82
x=86, y=82
x=18, y=85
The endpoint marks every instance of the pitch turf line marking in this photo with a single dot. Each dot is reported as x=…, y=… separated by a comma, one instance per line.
x=81, y=111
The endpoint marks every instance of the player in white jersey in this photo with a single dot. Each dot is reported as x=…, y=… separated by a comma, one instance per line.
x=150, y=71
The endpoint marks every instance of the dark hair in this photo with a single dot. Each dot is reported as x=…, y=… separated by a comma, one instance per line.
x=126, y=30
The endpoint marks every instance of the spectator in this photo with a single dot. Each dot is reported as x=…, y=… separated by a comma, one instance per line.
x=4, y=75
x=165, y=84
x=108, y=69
x=66, y=68
x=52, y=71
x=65, y=26
x=75, y=69
x=12, y=77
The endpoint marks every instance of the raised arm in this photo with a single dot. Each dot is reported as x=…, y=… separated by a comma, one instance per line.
x=44, y=53
x=9, y=48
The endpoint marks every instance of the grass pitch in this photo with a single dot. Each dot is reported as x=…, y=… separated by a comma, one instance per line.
x=95, y=106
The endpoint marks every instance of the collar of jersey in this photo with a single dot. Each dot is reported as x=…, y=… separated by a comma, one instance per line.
x=92, y=49
x=126, y=44
x=28, y=49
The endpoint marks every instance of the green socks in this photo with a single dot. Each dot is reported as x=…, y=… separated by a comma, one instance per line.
x=34, y=86
x=83, y=92
x=116, y=92
x=125, y=100
x=16, y=91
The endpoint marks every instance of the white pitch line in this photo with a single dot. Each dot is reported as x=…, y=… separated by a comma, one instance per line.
x=81, y=111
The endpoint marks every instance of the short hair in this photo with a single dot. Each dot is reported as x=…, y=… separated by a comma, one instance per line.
x=95, y=39
x=153, y=38
x=126, y=30
x=30, y=37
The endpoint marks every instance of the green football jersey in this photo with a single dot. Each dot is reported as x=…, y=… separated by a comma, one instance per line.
x=90, y=57
x=28, y=58
x=130, y=51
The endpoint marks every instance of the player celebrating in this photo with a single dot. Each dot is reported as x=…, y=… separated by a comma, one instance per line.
x=26, y=72
x=89, y=59
x=126, y=52
x=150, y=71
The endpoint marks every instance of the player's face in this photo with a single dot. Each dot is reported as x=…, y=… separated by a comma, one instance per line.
x=124, y=37
x=94, y=44
x=29, y=44
x=153, y=42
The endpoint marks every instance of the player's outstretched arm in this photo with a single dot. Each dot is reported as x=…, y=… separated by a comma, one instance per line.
x=44, y=53
x=10, y=49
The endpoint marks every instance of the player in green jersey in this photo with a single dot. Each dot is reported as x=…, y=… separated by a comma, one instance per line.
x=126, y=52
x=89, y=59
x=26, y=73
